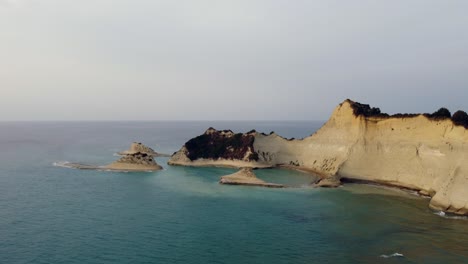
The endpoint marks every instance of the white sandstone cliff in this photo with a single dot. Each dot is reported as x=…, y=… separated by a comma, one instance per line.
x=415, y=152
x=412, y=152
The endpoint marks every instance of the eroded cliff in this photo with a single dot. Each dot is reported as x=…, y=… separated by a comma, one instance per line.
x=424, y=152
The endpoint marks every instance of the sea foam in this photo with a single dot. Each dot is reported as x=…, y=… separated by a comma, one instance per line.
x=398, y=255
x=63, y=164
x=450, y=216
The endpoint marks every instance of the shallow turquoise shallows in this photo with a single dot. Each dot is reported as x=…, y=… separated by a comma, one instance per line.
x=50, y=214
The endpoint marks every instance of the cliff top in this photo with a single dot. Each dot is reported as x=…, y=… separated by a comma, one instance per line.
x=459, y=118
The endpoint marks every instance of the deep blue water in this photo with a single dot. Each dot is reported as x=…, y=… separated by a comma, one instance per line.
x=50, y=214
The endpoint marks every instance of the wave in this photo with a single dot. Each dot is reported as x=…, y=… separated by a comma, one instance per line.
x=397, y=255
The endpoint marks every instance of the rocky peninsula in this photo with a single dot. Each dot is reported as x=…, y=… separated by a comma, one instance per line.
x=220, y=148
x=422, y=152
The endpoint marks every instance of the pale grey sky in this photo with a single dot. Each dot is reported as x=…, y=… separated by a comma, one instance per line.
x=233, y=60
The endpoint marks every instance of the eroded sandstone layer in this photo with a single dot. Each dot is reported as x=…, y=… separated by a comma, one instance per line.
x=424, y=152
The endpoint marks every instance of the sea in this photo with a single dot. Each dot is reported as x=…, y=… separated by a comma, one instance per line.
x=52, y=214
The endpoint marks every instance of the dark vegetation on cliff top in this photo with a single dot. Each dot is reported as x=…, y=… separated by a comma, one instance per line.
x=216, y=145
x=459, y=118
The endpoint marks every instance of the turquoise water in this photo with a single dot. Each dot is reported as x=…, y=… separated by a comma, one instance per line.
x=182, y=215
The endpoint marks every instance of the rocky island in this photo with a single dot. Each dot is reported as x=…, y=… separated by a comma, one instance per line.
x=138, y=158
x=422, y=152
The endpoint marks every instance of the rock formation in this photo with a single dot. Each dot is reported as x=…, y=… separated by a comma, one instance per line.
x=219, y=148
x=138, y=147
x=135, y=162
x=246, y=176
x=423, y=152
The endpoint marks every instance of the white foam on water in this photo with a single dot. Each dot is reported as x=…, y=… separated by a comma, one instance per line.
x=456, y=217
x=63, y=164
x=440, y=213
x=396, y=254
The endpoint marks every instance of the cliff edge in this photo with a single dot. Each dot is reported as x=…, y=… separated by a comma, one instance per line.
x=423, y=152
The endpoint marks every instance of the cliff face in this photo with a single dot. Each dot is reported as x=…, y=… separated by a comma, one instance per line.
x=421, y=152
x=415, y=152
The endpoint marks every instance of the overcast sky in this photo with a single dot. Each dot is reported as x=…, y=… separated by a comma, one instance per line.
x=228, y=60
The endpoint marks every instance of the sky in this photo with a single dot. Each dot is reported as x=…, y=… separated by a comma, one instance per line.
x=229, y=60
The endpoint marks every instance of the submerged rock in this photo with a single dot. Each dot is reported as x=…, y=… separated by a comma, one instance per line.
x=246, y=176
x=329, y=182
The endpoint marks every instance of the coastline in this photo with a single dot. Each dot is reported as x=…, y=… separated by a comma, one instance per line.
x=422, y=152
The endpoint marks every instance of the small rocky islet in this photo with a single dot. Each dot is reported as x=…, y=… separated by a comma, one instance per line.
x=138, y=158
